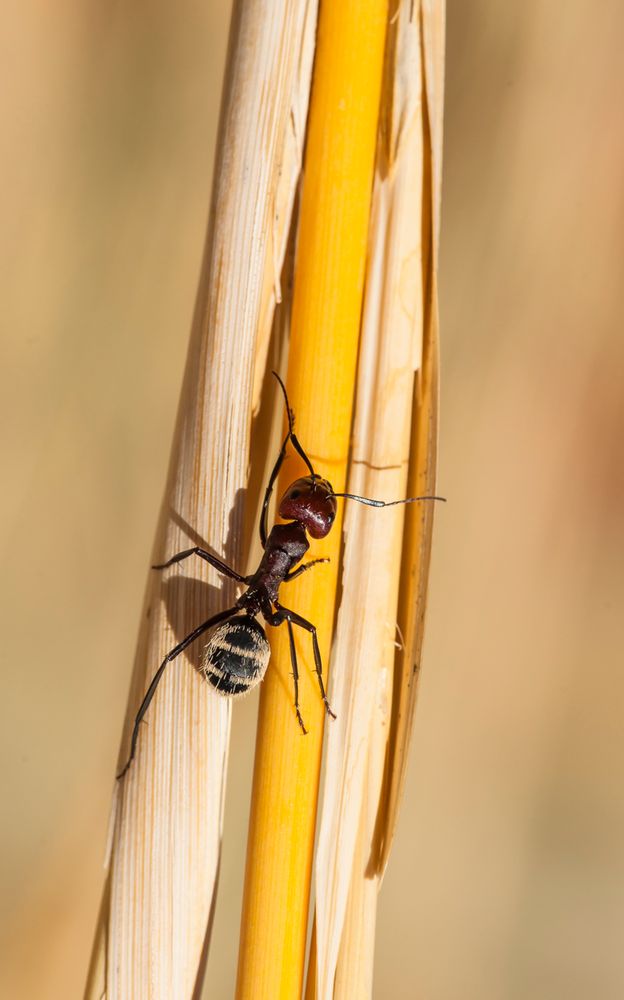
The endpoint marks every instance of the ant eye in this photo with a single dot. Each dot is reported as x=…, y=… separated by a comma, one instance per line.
x=295, y=494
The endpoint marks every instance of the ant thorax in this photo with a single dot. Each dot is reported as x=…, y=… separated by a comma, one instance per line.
x=291, y=539
x=286, y=546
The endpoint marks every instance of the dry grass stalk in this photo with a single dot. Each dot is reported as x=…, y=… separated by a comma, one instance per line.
x=398, y=302
x=423, y=452
x=166, y=835
x=328, y=289
x=354, y=968
x=287, y=180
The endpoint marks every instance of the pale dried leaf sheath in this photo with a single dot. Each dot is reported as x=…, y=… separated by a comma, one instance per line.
x=423, y=457
x=166, y=837
x=328, y=286
x=354, y=971
x=364, y=650
x=286, y=187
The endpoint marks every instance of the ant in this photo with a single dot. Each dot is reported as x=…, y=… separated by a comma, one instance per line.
x=237, y=653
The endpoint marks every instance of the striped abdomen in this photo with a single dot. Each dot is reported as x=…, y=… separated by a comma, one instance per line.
x=236, y=655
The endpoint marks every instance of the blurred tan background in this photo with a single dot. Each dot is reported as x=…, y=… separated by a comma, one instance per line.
x=507, y=881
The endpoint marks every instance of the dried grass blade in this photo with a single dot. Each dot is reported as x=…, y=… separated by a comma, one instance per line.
x=354, y=969
x=167, y=829
x=301, y=54
x=423, y=456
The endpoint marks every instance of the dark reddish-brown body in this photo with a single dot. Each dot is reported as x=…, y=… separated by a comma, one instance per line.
x=237, y=654
x=286, y=546
x=310, y=503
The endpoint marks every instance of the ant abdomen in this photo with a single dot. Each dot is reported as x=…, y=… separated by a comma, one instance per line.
x=236, y=656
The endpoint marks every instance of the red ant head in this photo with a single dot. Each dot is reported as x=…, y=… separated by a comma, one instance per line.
x=311, y=502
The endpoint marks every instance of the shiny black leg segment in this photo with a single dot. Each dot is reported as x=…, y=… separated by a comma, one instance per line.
x=196, y=551
x=280, y=461
x=292, y=616
x=291, y=429
x=293, y=660
x=299, y=448
x=269, y=491
x=171, y=655
x=302, y=569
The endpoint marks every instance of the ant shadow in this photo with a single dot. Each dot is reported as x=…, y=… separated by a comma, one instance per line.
x=188, y=601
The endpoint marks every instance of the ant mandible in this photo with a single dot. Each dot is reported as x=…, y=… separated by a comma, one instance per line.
x=236, y=656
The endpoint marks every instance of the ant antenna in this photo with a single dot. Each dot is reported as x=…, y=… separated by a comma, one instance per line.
x=383, y=503
x=291, y=429
x=348, y=496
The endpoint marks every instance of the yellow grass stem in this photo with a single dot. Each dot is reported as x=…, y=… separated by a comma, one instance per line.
x=394, y=428
x=327, y=305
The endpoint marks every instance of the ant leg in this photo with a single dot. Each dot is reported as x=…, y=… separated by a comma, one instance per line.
x=293, y=659
x=292, y=616
x=299, y=448
x=269, y=491
x=291, y=429
x=280, y=460
x=302, y=569
x=171, y=655
x=196, y=551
